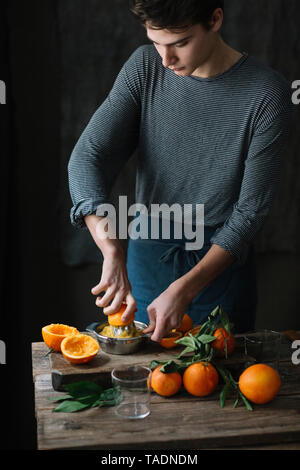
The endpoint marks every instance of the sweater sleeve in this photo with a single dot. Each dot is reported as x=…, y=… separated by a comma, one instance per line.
x=105, y=145
x=261, y=175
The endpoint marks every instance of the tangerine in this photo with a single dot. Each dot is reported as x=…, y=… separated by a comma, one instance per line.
x=200, y=379
x=165, y=384
x=219, y=344
x=54, y=333
x=115, y=319
x=186, y=324
x=260, y=383
x=168, y=341
x=79, y=348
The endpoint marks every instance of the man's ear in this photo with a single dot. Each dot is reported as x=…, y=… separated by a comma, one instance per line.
x=216, y=20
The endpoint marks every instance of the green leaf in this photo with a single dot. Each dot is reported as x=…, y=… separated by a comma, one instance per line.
x=70, y=406
x=248, y=406
x=223, y=394
x=185, y=351
x=110, y=393
x=236, y=402
x=204, y=339
x=214, y=314
x=88, y=399
x=83, y=388
x=56, y=399
x=155, y=363
x=105, y=403
x=224, y=319
x=188, y=341
x=169, y=367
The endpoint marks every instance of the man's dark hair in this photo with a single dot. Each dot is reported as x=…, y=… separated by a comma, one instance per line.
x=175, y=14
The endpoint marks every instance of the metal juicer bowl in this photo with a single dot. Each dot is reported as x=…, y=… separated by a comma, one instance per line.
x=118, y=345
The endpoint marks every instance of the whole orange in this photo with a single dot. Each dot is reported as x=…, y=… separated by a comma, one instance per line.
x=222, y=337
x=186, y=324
x=165, y=384
x=260, y=383
x=200, y=379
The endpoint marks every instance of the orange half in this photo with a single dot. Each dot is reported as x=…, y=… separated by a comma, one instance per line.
x=115, y=319
x=186, y=324
x=54, y=334
x=193, y=331
x=168, y=341
x=80, y=348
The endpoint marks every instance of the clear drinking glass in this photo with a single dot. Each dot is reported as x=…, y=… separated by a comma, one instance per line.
x=134, y=399
x=263, y=346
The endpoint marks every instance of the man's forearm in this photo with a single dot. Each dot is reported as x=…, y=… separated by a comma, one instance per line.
x=209, y=268
x=108, y=246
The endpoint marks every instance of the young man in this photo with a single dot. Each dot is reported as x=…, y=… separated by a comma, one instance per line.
x=211, y=125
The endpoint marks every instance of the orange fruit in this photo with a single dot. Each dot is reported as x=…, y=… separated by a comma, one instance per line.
x=54, y=334
x=115, y=319
x=80, y=348
x=165, y=384
x=168, y=341
x=200, y=379
x=193, y=331
x=259, y=383
x=219, y=343
x=186, y=324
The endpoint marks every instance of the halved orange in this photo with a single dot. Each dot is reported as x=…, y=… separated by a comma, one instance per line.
x=186, y=324
x=168, y=341
x=193, y=331
x=80, y=348
x=115, y=319
x=54, y=334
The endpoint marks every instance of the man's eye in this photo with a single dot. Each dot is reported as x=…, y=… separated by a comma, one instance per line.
x=182, y=44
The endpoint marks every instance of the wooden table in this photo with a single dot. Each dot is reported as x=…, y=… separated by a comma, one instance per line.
x=178, y=422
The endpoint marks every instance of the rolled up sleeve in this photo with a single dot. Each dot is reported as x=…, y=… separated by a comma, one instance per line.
x=261, y=175
x=105, y=145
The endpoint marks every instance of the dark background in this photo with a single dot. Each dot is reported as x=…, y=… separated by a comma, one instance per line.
x=59, y=59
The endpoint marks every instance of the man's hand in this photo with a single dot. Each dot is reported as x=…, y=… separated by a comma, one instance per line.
x=166, y=312
x=114, y=280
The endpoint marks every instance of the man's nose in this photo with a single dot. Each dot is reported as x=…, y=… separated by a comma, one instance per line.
x=168, y=58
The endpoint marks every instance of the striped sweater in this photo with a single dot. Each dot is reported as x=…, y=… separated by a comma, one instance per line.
x=216, y=141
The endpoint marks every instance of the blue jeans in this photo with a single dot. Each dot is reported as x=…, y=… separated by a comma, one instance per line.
x=153, y=265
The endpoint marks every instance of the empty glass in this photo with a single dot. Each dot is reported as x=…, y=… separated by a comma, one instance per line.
x=134, y=399
x=263, y=346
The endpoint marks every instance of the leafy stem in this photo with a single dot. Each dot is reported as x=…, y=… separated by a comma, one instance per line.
x=198, y=348
x=86, y=394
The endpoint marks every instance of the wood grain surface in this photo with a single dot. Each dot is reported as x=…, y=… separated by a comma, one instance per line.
x=178, y=422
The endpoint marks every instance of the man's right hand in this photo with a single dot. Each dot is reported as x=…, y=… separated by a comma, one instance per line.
x=114, y=281
x=116, y=287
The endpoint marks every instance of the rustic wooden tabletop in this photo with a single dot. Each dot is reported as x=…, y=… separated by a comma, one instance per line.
x=178, y=422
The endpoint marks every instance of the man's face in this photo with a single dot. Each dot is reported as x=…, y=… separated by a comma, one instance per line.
x=183, y=52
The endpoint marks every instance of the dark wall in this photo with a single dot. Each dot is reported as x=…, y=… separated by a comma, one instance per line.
x=64, y=56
